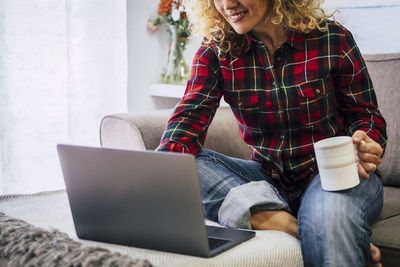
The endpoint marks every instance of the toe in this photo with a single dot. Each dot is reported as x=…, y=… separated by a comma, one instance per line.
x=375, y=253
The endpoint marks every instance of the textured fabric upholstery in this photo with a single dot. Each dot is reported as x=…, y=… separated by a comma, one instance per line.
x=144, y=130
x=385, y=74
x=386, y=232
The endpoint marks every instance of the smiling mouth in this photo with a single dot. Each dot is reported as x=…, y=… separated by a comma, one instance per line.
x=236, y=17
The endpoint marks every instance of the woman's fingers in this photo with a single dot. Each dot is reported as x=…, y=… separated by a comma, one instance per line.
x=369, y=153
x=362, y=172
x=367, y=166
x=370, y=147
x=367, y=157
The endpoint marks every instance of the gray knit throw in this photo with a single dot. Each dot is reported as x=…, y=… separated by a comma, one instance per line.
x=22, y=244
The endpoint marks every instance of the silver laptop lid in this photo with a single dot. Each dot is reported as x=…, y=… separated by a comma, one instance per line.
x=138, y=198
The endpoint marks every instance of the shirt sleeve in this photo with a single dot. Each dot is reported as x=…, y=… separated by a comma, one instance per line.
x=187, y=127
x=356, y=96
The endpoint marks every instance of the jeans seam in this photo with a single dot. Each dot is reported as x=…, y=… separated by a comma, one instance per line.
x=213, y=157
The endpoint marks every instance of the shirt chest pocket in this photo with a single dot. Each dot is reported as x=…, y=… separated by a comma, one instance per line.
x=315, y=100
x=243, y=100
x=245, y=106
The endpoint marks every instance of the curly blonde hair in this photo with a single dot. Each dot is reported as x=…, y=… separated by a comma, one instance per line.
x=207, y=22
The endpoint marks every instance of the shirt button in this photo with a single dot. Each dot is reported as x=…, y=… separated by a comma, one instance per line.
x=318, y=91
x=278, y=58
x=274, y=83
x=282, y=137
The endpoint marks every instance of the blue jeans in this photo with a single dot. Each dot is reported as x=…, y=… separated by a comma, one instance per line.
x=334, y=227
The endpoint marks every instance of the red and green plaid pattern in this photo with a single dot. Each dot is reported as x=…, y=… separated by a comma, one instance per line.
x=315, y=86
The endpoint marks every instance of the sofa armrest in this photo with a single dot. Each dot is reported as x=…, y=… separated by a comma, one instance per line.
x=136, y=131
x=143, y=131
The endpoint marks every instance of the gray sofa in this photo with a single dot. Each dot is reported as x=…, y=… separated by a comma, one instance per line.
x=144, y=130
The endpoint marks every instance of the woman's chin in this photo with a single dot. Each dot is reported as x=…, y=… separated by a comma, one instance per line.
x=241, y=30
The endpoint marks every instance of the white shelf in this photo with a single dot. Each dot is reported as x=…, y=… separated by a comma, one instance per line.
x=172, y=91
x=167, y=90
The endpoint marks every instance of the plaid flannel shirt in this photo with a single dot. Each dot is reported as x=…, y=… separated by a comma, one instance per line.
x=315, y=86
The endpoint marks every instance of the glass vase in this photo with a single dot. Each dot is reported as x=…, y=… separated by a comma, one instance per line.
x=176, y=70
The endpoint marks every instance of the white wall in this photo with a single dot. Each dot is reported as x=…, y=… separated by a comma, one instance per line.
x=374, y=24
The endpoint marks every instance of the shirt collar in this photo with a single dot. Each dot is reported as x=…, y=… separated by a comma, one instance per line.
x=294, y=39
x=249, y=40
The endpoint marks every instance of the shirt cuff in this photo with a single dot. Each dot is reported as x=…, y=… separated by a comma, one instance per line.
x=172, y=147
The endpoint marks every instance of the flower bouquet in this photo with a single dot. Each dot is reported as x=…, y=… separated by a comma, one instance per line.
x=172, y=14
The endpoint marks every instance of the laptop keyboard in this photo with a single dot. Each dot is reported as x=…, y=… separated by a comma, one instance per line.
x=216, y=242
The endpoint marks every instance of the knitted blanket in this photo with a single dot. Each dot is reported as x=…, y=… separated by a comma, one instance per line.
x=22, y=244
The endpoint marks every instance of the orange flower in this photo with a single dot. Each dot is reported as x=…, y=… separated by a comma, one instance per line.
x=164, y=8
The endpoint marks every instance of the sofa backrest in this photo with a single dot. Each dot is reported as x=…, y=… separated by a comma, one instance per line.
x=384, y=70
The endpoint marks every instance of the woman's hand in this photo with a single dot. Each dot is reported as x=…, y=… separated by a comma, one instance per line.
x=369, y=153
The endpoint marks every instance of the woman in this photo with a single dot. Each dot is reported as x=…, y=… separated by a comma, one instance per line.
x=292, y=78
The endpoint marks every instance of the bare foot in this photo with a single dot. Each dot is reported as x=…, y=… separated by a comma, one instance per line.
x=274, y=220
x=376, y=256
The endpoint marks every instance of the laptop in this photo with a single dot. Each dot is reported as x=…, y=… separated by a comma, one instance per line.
x=144, y=199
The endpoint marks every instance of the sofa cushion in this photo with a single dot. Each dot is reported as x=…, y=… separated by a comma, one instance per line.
x=50, y=210
x=386, y=236
x=384, y=70
x=391, y=207
x=386, y=232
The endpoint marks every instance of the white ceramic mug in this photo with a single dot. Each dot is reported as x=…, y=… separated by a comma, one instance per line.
x=336, y=162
